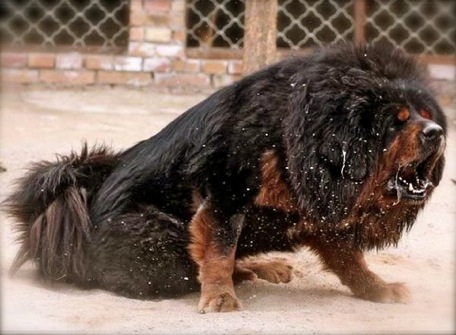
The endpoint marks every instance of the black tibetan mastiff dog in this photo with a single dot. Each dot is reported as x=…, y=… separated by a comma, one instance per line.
x=337, y=150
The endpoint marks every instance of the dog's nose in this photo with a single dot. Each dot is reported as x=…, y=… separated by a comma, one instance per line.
x=431, y=132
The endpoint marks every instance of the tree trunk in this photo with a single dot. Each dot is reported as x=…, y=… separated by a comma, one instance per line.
x=260, y=34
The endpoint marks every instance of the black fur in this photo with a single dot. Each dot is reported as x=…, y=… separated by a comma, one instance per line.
x=120, y=221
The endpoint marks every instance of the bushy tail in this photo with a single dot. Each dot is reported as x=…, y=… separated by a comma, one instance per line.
x=50, y=205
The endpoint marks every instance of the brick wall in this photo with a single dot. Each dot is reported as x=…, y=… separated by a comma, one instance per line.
x=156, y=56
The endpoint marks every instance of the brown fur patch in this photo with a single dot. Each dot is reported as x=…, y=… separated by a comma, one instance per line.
x=273, y=192
x=425, y=114
x=403, y=150
x=406, y=147
x=200, y=234
x=403, y=114
x=197, y=200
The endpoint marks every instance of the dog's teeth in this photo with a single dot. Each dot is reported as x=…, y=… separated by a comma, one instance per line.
x=410, y=187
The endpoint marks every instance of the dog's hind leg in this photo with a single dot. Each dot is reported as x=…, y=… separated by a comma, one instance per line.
x=144, y=254
x=274, y=270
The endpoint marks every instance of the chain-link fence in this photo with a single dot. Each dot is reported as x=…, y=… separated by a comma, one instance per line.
x=68, y=23
x=302, y=24
x=418, y=26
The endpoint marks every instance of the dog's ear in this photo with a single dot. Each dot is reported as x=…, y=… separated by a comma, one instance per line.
x=329, y=150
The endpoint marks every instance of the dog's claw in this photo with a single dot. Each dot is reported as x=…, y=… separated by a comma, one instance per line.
x=224, y=302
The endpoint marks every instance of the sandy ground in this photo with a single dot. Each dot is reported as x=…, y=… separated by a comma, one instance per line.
x=36, y=123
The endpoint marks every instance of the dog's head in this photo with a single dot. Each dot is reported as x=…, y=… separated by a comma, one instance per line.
x=413, y=162
x=363, y=126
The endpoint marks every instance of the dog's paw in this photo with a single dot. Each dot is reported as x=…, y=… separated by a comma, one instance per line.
x=219, y=302
x=388, y=293
x=241, y=274
x=274, y=271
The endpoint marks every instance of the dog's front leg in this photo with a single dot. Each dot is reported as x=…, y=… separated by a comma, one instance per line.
x=349, y=265
x=213, y=246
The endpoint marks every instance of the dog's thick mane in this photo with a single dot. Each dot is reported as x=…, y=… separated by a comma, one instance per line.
x=339, y=110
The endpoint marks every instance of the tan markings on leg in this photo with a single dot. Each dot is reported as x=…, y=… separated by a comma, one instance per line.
x=215, y=268
x=274, y=271
x=273, y=192
x=200, y=235
x=197, y=200
x=351, y=268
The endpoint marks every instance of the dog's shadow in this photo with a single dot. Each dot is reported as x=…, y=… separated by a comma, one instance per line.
x=266, y=296
x=256, y=295
x=263, y=296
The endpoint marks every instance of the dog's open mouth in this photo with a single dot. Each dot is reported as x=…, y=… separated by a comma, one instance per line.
x=411, y=181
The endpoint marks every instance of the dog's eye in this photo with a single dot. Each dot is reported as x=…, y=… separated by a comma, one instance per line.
x=403, y=115
x=425, y=114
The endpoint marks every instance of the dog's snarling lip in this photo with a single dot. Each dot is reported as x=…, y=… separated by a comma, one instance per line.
x=411, y=181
